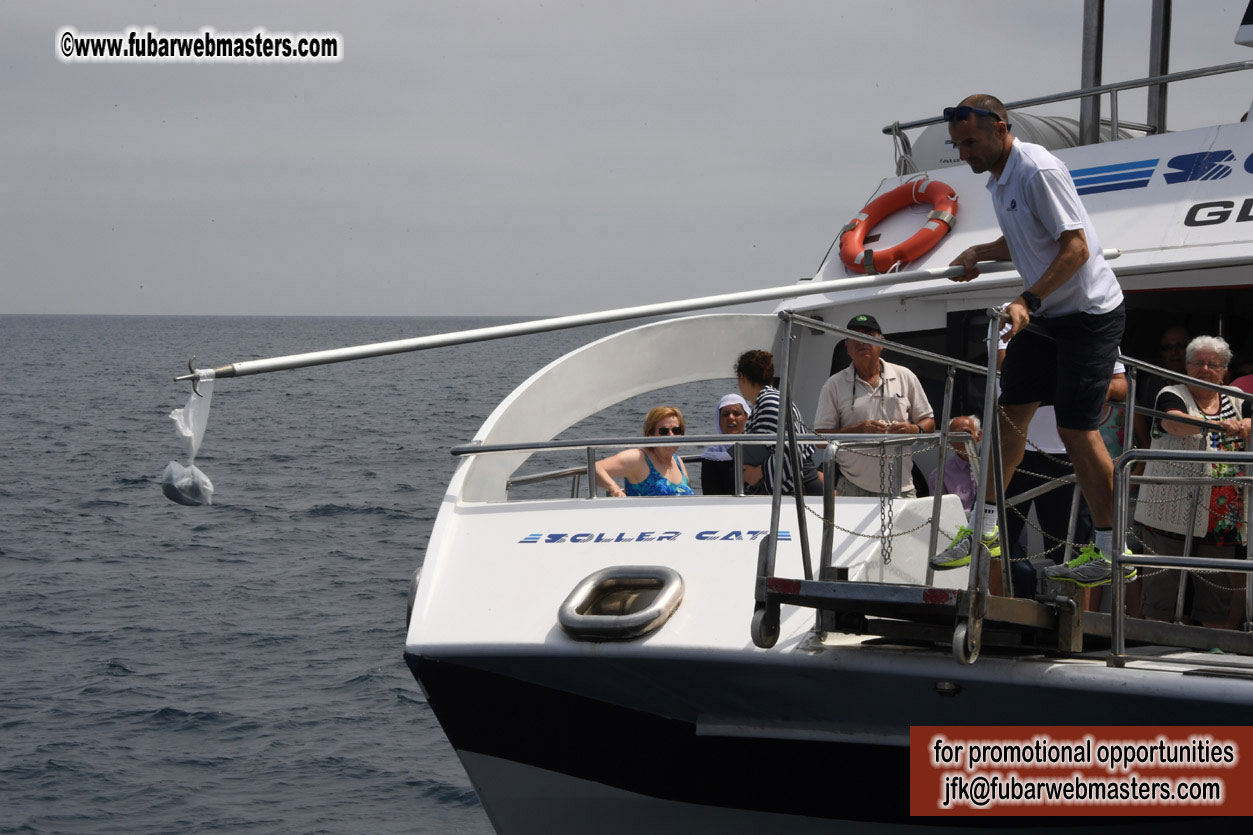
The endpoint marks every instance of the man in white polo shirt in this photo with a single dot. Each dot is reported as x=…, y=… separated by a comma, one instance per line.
x=1069, y=291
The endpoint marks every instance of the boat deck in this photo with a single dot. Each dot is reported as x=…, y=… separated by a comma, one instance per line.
x=862, y=613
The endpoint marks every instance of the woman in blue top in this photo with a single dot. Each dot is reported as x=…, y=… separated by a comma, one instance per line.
x=649, y=471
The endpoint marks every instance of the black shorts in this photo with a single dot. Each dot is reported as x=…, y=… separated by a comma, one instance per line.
x=1069, y=371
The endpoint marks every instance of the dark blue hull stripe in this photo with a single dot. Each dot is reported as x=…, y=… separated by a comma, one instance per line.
x=501, y=716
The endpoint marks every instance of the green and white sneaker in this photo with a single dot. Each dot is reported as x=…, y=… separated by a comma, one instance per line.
x=1088, y=570
x=958, y=551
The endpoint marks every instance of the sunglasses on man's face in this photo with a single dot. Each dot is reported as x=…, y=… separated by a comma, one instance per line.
x=962, y=112
x=666, y=430
x=1174, y=346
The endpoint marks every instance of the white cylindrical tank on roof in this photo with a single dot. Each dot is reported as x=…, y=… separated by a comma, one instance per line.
x=932, y=150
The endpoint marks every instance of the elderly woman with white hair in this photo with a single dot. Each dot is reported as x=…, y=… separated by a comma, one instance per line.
x=1217, y=513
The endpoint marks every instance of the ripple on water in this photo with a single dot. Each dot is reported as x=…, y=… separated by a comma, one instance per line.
x=234, y=667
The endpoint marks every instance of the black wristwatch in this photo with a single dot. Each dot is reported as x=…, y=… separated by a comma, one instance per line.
x=1032, y=301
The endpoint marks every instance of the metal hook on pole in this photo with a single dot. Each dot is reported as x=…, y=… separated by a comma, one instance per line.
x=193, y=376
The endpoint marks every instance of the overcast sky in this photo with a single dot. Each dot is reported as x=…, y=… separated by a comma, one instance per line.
x=505, y=157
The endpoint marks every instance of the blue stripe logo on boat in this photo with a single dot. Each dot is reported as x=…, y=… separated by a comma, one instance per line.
x=1122, y=175
x=530, y=539
x=1205, y=165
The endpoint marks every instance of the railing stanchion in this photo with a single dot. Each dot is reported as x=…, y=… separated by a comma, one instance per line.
x=737, y=469
x=765, y=625
x=1002, y=517
x=828, y=515
x=946, y=417
x=1069, y=548
x=968, y=633
x=776, y=504
x=1193, y=498
x=793, y=451
x=1248, y=552
x=1118, y=605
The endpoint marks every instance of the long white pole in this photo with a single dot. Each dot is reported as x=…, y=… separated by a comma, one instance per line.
x=441, y=340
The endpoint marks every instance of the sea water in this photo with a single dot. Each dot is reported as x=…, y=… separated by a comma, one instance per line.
x=235, y=667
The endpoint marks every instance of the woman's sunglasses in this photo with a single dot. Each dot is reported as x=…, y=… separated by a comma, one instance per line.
x=666, y=430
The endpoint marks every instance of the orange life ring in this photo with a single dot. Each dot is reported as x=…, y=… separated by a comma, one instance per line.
x=943, y=201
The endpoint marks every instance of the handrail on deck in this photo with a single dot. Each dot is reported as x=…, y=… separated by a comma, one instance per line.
x=1118, y=655
x=1087, y=92
x=900, y=348
x=626, y=442
x=974, y=605
x=574, y=473
x=971, y=606
x=833, y=440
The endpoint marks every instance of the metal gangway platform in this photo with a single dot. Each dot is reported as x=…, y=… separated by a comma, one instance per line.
x=972, y=618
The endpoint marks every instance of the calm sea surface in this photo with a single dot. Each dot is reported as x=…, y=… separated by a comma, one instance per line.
x=235, y=667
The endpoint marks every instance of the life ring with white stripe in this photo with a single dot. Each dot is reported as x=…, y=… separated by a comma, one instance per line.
x=943, y=202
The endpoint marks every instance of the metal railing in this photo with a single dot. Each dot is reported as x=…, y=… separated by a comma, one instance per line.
x=592, y=445
x=951, y=364
x=575, y=474
x=1089, y=92
x=766, y=612
x=848, y=441
x=1119, y=656
x=971, y=607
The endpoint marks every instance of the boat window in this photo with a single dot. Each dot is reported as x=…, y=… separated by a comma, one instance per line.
x=1225, y=312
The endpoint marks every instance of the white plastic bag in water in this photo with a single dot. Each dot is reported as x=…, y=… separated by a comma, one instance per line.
x=188, y=485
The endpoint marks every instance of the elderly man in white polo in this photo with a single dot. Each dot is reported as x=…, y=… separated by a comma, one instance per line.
x=873, y=397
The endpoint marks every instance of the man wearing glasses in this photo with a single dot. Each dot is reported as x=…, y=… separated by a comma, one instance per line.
x=1171, y=350
x=1072, y=294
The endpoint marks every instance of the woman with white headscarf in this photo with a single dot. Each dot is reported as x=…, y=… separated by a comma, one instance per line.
x=717, y=468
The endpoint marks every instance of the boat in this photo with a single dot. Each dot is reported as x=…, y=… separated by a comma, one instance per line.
x=757, y=663
x=710, y=664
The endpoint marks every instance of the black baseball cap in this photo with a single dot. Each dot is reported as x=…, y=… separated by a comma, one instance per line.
x=863, y=321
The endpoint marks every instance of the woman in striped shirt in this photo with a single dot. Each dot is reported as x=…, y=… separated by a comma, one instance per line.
x=755, y=372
